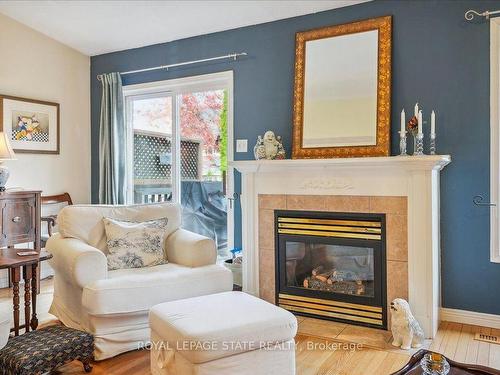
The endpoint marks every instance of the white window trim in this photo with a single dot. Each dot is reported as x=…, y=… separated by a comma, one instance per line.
x=173, y=87
x=494, y=139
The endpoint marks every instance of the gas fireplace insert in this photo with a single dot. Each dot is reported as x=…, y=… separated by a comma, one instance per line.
x=332, y=266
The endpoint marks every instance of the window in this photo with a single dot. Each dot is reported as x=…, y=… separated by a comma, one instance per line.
x=152, y=114
x=494, y=137
x=181, y=143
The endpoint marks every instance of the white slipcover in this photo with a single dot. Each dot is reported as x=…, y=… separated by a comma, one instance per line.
x=114, y=305
x=225, y=333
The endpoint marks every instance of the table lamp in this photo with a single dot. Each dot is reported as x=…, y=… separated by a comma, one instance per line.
x=6, y=153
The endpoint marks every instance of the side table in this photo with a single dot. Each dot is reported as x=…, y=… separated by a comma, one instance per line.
x=29, y=265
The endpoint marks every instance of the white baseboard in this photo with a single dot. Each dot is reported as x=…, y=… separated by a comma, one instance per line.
x=469, y=317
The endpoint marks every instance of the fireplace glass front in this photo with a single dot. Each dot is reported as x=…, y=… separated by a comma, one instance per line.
x=330, y=268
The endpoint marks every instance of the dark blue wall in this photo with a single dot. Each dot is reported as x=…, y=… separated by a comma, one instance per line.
x=439, y=59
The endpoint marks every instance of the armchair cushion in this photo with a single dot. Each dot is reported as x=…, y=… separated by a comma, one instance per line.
x=139, y=289
x=190, y=249
x=135, y=245
x=75, y=261
x=85, y=223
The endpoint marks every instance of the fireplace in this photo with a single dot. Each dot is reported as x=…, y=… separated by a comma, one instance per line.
x=332, y=266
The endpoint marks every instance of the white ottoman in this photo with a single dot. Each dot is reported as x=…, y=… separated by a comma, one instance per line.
x=225, y=333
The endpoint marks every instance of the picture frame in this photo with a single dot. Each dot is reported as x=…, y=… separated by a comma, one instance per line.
x=32, y=126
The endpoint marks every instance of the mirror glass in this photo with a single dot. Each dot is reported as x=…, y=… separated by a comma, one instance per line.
x=340, y=91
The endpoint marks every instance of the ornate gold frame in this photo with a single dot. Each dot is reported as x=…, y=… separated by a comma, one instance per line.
x=382, y=148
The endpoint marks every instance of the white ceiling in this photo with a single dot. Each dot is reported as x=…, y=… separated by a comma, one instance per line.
x=96, y=27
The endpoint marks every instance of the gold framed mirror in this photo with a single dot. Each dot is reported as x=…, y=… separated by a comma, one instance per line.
x=342, y=97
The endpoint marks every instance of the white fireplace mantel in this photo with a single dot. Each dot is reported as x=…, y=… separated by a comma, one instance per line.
x=424, y=162
x=416, y=177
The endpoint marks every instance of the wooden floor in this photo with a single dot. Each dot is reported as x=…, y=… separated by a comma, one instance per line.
x=322, y=347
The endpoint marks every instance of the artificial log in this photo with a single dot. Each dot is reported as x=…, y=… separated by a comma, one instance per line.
x=346, y=287
x=318, y=270
x=323, y=277
x=340, y=275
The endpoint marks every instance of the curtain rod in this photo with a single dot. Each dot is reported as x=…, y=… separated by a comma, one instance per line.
x=469, y=15
x=233, y=56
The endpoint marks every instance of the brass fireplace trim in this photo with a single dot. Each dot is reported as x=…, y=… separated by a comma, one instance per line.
x=331, y=227
x=305, y=220
x=331, y=303
x=333, y=315
x=332, y=309
x=331, y=234
x=368, y=230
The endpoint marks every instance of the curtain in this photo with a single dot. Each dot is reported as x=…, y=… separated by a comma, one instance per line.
x=112, y=142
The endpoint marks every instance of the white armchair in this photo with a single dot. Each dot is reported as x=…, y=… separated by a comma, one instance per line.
x=114, y=305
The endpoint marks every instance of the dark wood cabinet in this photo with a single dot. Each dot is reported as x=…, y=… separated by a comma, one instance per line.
x=20, y=224
x=20, y=218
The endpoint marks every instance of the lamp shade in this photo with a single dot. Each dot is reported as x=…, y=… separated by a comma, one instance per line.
x=6, y=151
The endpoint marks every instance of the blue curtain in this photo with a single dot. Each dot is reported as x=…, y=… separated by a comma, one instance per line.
x=112, y=142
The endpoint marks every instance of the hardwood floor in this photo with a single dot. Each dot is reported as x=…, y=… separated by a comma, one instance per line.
x=323, y=348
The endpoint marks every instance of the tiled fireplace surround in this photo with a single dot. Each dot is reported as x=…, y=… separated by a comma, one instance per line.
x=396, y=212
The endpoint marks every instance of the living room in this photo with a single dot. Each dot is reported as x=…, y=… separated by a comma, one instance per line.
x=250, y=187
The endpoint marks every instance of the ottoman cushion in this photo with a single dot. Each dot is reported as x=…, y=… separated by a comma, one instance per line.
x=220, y=325
x=44, y=350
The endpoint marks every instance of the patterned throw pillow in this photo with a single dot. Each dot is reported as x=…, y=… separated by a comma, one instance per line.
x=135, y=245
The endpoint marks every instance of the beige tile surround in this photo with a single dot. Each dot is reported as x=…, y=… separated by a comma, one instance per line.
x=395, y=208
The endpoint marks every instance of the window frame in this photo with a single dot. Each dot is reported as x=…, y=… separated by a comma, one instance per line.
x=494, y=139
x=174, y=87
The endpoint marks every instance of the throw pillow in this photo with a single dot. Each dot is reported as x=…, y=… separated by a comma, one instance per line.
x=135, y=244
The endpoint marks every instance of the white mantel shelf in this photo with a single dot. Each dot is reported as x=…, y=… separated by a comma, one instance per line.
x=424, y=162
x=414, y=177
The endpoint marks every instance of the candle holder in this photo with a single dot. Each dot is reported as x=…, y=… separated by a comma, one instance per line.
x=433, y=144
x=419, y=144
x=402, y=143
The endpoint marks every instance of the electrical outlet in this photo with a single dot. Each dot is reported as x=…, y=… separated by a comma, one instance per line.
x=241, y=145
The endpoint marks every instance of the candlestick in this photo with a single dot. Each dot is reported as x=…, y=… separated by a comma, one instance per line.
x=416, y=110
x=419, y=147
x=403, y=122
x=433, y=123
x=433, y=144
x=402, y=143
x=420, y=122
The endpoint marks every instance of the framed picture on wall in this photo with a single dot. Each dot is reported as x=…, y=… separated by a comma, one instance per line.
x=32, y=126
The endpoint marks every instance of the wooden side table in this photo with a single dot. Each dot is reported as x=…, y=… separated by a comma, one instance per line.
x=20, y=224
x=29, y=265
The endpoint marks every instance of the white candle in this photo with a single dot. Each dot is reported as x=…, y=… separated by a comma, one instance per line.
x=403, y=122
x=433, y=123
x=416, y=110
x=420, y=122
